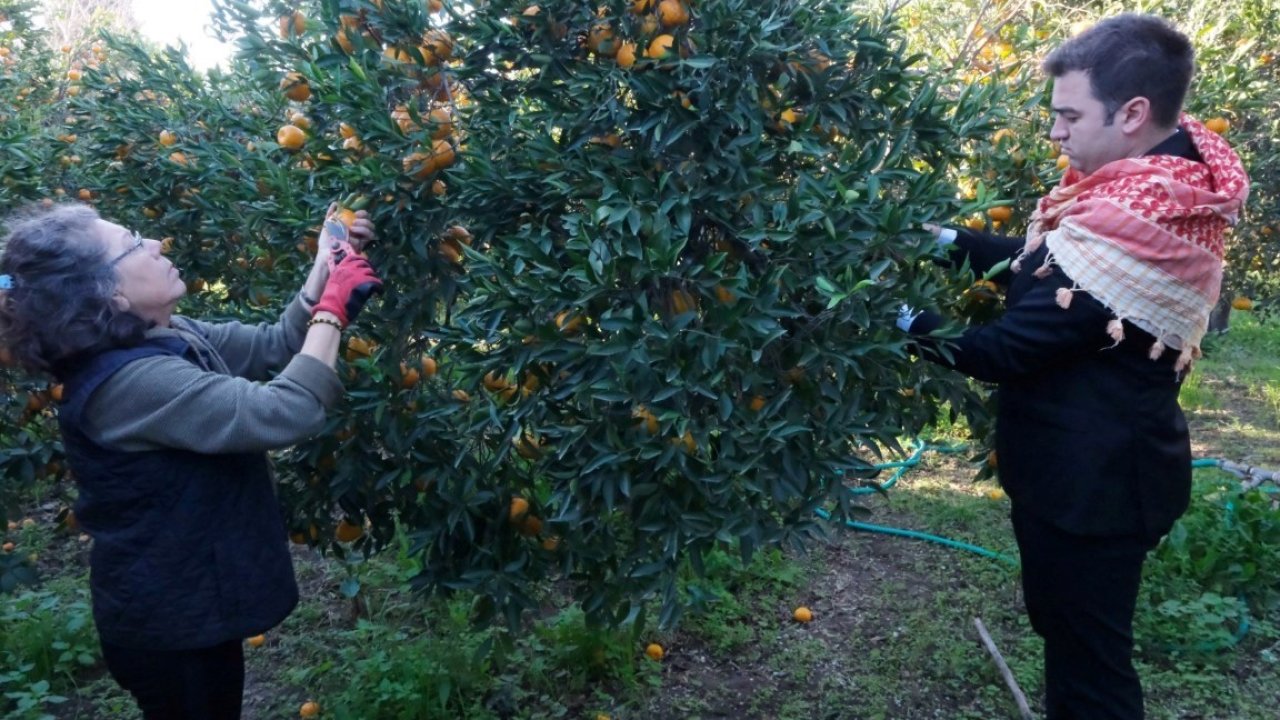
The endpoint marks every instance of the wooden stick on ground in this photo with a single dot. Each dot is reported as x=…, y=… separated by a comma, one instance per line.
x=1018, y=697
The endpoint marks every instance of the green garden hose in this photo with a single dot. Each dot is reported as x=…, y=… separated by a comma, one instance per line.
x=915, y=535
x=901, y=467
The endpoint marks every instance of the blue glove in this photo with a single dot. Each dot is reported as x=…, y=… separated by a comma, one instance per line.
x=943, y=236
x=906, y=316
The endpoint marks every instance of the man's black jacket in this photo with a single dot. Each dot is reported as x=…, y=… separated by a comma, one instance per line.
x=1089, y=437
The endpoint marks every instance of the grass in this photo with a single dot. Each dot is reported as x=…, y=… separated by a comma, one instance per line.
x=892, y=635
x=1195, y=395
x=48, y=640
x=1271, y=397
x=1245, y=356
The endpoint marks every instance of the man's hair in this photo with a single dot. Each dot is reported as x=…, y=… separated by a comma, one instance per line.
x=60, y=309
x=1128, y=56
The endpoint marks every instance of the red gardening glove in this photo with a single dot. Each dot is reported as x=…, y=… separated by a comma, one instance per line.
x=352, y=282
x=338, y=250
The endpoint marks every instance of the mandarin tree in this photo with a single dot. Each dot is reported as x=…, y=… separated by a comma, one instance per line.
x=136, y=140
x=26, y=64
x=659, y=244
x=656, y=292
x=32, y=94
x=642, y=262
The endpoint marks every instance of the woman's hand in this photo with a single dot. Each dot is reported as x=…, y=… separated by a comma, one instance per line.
x=352, y=227
x=350, y=286
x=351, y=231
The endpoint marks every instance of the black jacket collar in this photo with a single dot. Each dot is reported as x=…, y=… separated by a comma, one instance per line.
x=1178, y=144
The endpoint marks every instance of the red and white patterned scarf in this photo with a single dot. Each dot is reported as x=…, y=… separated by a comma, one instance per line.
x=1144, y=236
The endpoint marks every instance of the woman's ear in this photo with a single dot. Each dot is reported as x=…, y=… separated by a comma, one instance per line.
x=120, y=302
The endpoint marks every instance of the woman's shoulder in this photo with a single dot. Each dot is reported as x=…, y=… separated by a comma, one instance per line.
x=183, y=324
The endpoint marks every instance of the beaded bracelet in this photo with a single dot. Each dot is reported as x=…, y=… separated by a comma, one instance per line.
x=324, y=321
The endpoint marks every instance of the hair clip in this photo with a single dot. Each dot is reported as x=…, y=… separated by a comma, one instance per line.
x=6, y=282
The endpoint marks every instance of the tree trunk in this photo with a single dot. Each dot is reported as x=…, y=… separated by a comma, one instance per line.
x=1220, y=316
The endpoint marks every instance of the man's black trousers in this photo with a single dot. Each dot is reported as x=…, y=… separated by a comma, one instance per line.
x=1080, y=594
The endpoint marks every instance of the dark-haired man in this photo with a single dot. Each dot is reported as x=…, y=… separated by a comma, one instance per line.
x=1108, y=298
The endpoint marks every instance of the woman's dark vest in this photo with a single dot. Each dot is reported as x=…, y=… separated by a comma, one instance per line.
x=189, y=550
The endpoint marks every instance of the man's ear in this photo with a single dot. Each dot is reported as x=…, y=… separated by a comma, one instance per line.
x=1134, y=115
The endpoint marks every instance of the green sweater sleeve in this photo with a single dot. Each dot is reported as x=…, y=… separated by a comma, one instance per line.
x=256, y=351
x=168, y=402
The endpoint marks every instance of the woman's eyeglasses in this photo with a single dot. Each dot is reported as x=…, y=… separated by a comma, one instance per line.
x=137, y=243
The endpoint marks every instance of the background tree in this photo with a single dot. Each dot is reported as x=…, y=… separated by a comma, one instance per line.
x=1001, y=43
x=70, y=23
x=28, y=446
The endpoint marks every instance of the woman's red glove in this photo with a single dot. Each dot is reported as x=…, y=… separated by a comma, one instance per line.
x=352, y=282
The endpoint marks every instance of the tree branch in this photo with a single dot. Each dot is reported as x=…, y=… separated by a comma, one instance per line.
x=1023, y=709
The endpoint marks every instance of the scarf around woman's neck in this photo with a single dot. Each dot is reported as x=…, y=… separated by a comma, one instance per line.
x=1145, y=236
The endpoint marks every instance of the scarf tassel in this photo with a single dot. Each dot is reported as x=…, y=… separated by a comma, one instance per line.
x=1046, y=269
x=1063, y=297
x=1115, y=329
x=1157, y=349
x=1189, y=355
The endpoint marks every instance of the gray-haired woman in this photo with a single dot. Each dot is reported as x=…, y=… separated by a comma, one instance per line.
x=165, y=422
